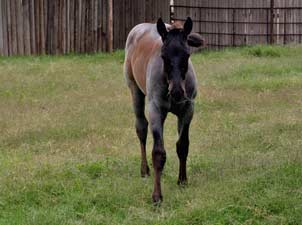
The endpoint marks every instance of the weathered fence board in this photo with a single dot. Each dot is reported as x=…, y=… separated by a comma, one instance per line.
x=1, y=30
x=3, y=25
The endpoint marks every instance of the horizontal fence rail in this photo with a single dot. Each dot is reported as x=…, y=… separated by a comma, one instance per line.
x=242, y=22
x=237, y=22
x=252, y=8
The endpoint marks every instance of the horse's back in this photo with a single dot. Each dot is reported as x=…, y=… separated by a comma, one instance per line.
x=142, y=43
x=137, y=32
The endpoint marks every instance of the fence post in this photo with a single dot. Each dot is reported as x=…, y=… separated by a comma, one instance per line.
x=233, y=28
x=272, y=6
x=110, y=26
x=285, y=30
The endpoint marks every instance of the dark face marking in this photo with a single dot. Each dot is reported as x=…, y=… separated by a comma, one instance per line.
x=175, y=53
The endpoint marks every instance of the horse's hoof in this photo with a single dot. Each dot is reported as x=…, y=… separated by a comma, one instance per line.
x=145, y=172
x=182, y=182
x=157, y=199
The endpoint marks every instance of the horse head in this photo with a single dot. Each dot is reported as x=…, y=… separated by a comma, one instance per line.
x=175, y=53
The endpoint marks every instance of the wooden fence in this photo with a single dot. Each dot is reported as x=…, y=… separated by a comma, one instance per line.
x=226, y=23
x=63, y=26
x=83, y=26
x=129, y=13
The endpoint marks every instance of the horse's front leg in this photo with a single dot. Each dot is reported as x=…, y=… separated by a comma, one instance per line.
x=182, y=145
x=157, y=118
x=141, y=125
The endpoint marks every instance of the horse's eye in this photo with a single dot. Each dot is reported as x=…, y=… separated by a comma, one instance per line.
x=168, y=67
x=183, y=68
x=183, y=73
x=167, y=64
x=166, y=60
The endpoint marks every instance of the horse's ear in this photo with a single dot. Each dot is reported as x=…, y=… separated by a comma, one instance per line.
x=161, y=29
x=188, y=26
x=195, y=40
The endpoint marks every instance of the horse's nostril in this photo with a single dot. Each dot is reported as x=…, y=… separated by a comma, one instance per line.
x=177, y=95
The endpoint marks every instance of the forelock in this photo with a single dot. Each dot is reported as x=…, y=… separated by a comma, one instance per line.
x=176, y=25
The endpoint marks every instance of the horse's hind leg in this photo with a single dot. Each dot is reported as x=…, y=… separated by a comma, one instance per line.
x=141, y=125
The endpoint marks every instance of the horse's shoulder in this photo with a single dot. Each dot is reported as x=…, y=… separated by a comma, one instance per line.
x=142, y=43
x=137, y=33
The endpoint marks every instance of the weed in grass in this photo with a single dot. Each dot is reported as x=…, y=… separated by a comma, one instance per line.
x=265, y=51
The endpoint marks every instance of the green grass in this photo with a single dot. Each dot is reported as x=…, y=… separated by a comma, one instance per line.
x=69, y=152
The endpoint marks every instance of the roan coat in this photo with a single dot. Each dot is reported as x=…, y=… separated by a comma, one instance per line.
x=157, y=65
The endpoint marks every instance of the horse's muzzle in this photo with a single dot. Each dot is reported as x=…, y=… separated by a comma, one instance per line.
x=177, y=92
x=177, y=95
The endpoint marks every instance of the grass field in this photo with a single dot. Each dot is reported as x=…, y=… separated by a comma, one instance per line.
x=69, y=152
